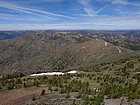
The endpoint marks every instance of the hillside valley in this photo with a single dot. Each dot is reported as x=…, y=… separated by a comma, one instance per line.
x=62, y=51
x=70, y=68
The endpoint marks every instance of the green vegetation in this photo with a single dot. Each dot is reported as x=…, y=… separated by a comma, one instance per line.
x=106, y=80
x=33, y=98
x=42, y=92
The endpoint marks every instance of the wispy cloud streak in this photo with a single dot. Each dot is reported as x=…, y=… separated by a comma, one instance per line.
x=30, y=10
x=14, y=18
x=82, y=14
x=87, y=7
x=104, y=7
x=122, y=2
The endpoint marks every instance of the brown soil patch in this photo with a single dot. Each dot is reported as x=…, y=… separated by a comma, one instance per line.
x=18, y=96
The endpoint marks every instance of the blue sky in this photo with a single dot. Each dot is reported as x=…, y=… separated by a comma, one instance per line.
x=69, y=14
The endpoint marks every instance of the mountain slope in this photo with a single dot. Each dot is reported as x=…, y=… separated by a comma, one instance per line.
x=126, y=41
x=58, y=52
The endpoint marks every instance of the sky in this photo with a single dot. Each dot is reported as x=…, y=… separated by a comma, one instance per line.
x=69, y=14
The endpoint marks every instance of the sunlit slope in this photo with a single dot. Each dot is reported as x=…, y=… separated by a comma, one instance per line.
x=42, y=52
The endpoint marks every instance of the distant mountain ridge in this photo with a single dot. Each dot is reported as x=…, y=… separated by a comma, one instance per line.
x=13, y=34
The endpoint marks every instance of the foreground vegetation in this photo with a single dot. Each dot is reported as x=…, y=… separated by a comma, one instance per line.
x=92, y=84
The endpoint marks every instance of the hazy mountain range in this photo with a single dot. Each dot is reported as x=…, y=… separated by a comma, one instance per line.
x=33, y=51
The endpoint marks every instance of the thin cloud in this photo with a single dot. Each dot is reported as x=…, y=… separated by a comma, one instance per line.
x=125, y=2
x=14, y=18
x=89, y=10
x=104, y=7
x=105, y=19
x=87, y=7
x=33, y=26
x=23, y=18
x=30, y=10
x=21, y=9
x=122, y=2
x=97, y=26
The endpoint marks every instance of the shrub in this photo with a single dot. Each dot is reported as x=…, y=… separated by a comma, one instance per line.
x=42, y=92
x=33, y=98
